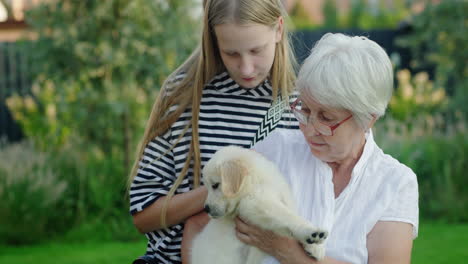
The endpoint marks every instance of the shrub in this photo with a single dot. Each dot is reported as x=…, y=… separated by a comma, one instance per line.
x=97, y=66
x=436, y=151
x=421, y=132
x=437, y=40
x=362, y=14
x=30, y=191
x=416, y=95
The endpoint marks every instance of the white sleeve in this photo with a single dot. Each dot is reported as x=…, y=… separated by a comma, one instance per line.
x=405, y=207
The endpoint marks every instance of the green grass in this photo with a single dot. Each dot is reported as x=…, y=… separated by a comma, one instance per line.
x=436, y=244
x=441, y=243
x=74, y=253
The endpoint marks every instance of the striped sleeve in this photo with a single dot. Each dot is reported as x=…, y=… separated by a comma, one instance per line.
x=155, y=175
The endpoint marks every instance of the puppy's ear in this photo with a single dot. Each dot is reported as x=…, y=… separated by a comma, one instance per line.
x=233, y=173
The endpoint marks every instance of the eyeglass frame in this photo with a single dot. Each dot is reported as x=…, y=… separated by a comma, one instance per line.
x=308, y=118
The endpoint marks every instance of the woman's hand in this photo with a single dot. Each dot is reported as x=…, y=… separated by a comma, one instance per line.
x=192, y=227
x=284, y=249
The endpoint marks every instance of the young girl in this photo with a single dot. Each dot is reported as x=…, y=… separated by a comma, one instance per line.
x=232, y=90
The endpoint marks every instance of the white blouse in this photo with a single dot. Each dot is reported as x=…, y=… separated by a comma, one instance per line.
x=380, y=189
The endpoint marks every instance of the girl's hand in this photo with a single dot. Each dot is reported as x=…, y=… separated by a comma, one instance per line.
x=192, y=227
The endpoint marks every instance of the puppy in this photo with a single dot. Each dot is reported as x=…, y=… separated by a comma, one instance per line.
x=243, y=183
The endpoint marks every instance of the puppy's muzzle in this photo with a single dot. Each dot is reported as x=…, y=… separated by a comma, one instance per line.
x=212, y=212
x=207, y=209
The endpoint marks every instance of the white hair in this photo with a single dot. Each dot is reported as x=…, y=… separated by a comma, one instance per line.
x=352, y=73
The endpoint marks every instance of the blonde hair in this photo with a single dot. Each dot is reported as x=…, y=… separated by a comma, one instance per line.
x=201, y=67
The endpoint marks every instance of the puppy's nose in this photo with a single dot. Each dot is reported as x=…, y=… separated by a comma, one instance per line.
x=207, y=209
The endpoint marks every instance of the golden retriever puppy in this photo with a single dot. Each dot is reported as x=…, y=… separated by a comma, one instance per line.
x=243, y=183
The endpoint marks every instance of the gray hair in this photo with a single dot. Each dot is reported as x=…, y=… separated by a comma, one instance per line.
x=352, y=73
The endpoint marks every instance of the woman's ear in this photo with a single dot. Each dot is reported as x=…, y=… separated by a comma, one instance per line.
x=232, y=177
x=372, y=122
x=279, y=29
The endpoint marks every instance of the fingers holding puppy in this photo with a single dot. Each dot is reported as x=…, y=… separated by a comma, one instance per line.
x=280, y=247
x=265, y=240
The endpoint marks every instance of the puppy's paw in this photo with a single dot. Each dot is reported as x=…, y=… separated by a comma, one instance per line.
x=312, y=235
x=316, y=251
x=317, y=236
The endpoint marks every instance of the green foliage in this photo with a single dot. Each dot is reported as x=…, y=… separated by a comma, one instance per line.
x=422, y=133
x=438, y=40
x=331, y=15
x=416, y=95
x=441, y=166
x=436, y=151
x=97, y=66
x=299, y=18
x=31, y=193
x=380, y=16
x=357, y=10
x=363, y=14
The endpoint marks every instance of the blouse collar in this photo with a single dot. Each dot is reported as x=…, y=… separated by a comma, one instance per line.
x=225, y=84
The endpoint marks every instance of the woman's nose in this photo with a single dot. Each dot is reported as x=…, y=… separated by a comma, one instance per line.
x=310, y=129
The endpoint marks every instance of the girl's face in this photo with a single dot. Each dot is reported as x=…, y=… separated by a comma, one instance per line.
x=248, y=51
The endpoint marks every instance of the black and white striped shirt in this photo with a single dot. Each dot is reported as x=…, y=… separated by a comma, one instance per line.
x=229, y=115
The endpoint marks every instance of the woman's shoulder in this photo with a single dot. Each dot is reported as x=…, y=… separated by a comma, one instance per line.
x=391, y=169
x=285, y=136
x=280, y=141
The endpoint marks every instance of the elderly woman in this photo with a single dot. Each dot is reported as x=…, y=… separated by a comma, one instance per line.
x=341, y=179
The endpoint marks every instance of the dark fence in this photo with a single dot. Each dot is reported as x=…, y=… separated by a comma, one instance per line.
x=14, y=78
x=14, y=70
x=303, y=41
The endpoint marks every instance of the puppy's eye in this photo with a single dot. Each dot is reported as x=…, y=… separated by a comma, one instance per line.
x=215, y=186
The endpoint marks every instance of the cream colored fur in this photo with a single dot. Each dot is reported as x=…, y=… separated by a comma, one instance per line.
x=242, y=182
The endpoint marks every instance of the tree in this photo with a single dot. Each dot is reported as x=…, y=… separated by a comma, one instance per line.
x=97, y=66
x=437, y=41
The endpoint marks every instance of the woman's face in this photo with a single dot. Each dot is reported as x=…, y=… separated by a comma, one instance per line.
x=347, y=140
x=248, y=51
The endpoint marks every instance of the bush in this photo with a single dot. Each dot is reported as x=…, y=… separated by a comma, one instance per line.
x=30, y=191
x=416, y=95
x=437, y=40
x=97, y=66
x=362, y=14
x=436, y=151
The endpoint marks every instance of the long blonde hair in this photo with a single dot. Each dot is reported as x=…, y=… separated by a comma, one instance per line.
x=203, y=65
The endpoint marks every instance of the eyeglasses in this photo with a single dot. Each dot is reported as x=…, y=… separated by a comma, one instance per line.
x=306, y=118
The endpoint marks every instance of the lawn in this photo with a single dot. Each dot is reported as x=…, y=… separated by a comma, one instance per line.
x=436, y=244
x=74, y=253
x=441, y=243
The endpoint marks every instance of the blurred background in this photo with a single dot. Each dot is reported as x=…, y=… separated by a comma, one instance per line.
x=78, y=79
